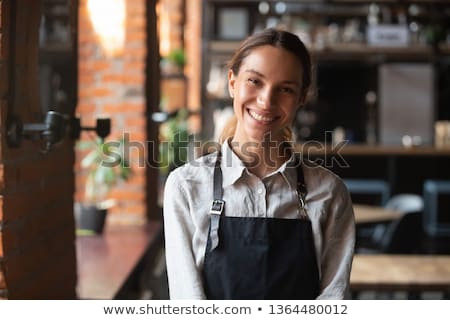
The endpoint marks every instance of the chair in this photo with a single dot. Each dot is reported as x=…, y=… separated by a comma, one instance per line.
x=395, y=237
x=436, y=194
x=401, y=236
x=405, y=202
x=369, y=187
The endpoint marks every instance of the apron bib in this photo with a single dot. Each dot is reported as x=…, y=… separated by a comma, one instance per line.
x=259, y=258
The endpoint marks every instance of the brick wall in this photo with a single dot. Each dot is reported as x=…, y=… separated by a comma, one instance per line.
x=193, y=38
x=114, y=87
x=37, y=251
x=179, y=24
x=171, y=25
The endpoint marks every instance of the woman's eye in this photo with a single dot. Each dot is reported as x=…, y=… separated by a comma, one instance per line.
x=287, y=90
x=253, y=81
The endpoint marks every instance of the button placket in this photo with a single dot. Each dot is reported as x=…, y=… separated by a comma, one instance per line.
x=261, y=192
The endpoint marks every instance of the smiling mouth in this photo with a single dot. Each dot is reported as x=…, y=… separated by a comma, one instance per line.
x=260, y=117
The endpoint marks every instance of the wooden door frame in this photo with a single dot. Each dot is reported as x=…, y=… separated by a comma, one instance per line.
x=152, y=105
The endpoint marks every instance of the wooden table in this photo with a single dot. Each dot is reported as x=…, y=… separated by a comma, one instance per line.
x=365, y=214
x=106, y=261
x=400, y=272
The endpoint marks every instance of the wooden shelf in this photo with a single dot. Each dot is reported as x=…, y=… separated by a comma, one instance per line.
x=387, y=1
x=318, y=149
x=348, y=51
x=362, y=51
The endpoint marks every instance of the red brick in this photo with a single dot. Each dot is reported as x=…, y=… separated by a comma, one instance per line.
x=136, y=65
x=134, y=80
x=123, y=107
x=87, y=38
x=127, y=195
x=137, y=179
x=94, y=66
x=98, y=92
x=86, y=81
x=136, y=122
x=136, y=36
x=86, y=107
x=137, y=53
x=110, y=77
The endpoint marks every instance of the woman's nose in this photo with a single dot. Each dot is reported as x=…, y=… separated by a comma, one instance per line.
x=265, y=99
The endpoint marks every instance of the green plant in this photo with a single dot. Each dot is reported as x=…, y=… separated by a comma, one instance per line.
x=177, y=57
x=106, y=165
x=174, y=136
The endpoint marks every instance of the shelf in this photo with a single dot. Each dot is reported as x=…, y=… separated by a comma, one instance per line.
x=389, y=1
x=223, y=46
x=318, y=149
x=348, y=51
x=361, y=59
x=362, y=51
x=173, y=76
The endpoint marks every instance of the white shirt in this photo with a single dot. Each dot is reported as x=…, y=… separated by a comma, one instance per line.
x=188, y=197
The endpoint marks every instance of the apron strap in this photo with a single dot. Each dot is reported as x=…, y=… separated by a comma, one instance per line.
x=217, y=205
x=301, y=187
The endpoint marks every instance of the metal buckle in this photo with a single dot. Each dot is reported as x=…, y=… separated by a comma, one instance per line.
x=302, y=205
x=217, y=207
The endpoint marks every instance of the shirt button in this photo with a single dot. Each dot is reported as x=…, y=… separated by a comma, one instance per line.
x=260, y=191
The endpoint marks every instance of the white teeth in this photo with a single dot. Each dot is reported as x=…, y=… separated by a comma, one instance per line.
x=260, y=117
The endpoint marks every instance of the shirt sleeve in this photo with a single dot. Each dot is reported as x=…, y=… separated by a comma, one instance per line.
x=338, y=245
x=184, y=277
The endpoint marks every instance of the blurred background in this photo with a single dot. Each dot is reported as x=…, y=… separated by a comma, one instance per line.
x=141, y=85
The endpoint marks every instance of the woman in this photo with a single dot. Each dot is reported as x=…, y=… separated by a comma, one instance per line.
x=252, y=221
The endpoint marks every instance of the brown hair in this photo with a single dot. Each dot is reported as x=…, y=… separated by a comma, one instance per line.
x=279, y=39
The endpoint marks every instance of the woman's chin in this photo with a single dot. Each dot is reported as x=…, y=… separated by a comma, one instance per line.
x=266, y=136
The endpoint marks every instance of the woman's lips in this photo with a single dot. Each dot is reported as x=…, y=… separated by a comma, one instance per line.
x=260, y=117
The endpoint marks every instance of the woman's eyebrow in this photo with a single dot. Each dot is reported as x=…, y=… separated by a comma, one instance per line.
x=262, y=76
x=255, y=72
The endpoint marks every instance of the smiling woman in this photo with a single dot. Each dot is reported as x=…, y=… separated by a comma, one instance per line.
x=253, y=221
x=266, y=96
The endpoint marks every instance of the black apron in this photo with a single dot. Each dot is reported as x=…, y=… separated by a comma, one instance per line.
x=259, y=258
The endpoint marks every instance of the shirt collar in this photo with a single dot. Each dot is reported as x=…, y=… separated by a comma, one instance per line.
x=233, y=167
x=289, y=172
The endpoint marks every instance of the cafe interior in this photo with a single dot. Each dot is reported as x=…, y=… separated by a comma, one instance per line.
x=150, y=79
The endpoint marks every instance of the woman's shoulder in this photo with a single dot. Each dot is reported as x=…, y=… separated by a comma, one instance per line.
x=316, y=174
x=196, y=170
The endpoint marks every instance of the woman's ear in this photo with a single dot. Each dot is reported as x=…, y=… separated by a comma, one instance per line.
x=231, y=82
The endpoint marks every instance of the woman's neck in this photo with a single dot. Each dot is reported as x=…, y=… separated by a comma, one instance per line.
x=261, y=158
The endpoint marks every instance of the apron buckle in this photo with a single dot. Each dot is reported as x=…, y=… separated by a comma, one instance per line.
x=217, y=207
x=302, y=205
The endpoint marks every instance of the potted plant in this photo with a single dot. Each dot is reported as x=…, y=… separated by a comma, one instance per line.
x=106, y=166
x=174, y=62
x=174, y=141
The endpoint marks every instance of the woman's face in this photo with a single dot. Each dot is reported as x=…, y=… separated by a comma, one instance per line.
x=266, y=92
